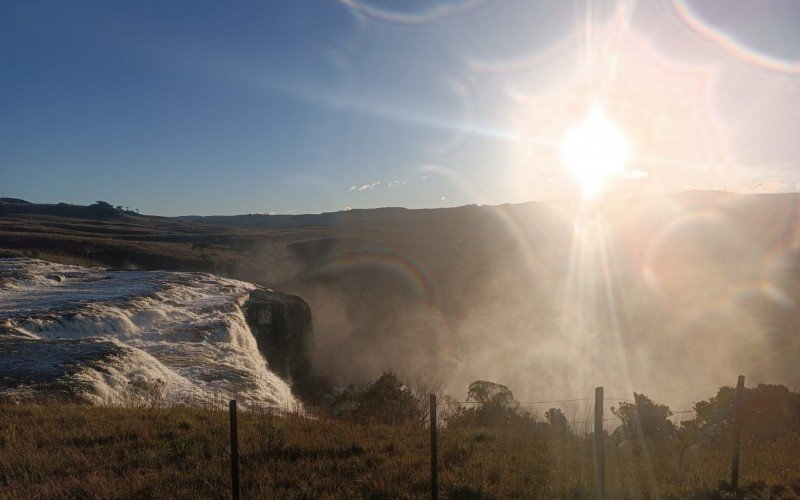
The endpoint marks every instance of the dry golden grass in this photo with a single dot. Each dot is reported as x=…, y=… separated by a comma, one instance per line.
x=79, y=451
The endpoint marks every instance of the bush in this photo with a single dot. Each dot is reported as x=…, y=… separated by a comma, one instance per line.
x=386, y=400
x=643, y=419
x=491, y=405
x=557, y=420
x=768, y=411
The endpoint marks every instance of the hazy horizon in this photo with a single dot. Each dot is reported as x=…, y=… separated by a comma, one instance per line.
x=576, y=199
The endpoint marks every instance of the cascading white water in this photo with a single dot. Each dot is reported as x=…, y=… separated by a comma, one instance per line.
x=124, y=337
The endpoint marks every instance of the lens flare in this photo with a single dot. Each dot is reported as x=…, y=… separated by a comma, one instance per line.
x=594, y=151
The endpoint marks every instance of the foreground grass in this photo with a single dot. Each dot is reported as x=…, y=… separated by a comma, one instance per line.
x=79, y=451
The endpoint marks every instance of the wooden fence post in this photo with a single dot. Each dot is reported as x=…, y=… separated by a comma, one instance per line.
x=434, y=452
x=737, y=433
x=599, y=446
x=234, y=453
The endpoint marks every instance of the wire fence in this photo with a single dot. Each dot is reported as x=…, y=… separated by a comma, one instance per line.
x=266, y=439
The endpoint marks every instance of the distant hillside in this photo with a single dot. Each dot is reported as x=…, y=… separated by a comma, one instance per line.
x=108, y=236
x=373, y=217
x=672, y=292
x=15, y=201
x=100, y=210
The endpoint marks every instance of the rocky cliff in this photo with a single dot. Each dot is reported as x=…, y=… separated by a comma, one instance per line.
x=282, y=326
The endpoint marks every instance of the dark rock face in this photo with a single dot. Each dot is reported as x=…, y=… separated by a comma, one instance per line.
x=283, y=329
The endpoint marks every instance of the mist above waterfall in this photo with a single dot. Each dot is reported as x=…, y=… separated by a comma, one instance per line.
x=672, y=296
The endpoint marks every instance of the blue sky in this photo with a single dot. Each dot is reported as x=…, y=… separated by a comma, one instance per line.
x=309, y=106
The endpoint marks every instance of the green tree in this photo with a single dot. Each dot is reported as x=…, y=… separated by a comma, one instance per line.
x=768, y=410
x=490, y=405
x=486, y=392
x=386, y=400
x=643, y=419
x=557, y=420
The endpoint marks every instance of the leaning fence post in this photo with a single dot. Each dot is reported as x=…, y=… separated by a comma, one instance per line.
x=234, y=453
x=737, y=433
x=434, y=455
x=599, y=446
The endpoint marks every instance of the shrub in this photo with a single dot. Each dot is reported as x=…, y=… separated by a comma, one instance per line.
x=557, y=420
x=643, y=419
x=768, y=410
x=386, y=400
x=491, y=405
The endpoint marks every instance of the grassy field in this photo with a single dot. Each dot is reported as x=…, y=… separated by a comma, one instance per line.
x=77, y=451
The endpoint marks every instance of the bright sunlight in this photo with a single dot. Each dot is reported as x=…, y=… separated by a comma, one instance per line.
x=594, y=151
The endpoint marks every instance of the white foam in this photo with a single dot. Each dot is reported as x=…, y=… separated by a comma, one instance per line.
x=183, y=336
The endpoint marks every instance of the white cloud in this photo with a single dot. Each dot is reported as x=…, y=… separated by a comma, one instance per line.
x=639, y=174
x=444, y=197
x=365, y=187
x=394, y=184
x=764, y=187
x=426, y=177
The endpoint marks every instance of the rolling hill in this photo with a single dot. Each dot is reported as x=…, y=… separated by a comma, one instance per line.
x=674, y=295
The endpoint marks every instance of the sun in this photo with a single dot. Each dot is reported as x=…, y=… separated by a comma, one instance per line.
x=594, y=152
